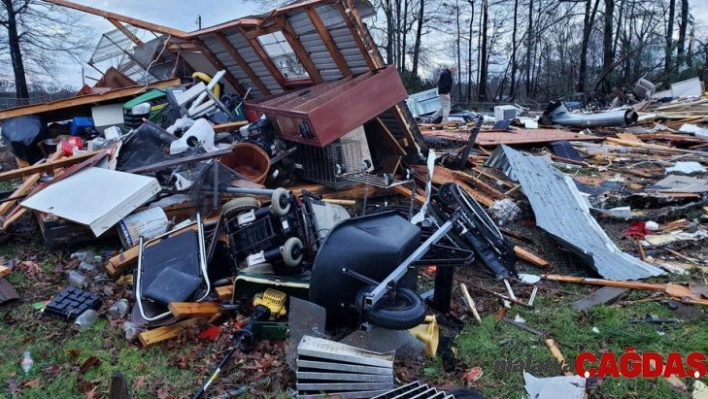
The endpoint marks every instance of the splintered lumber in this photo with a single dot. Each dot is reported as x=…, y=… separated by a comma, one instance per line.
x=405, y=191
x=470, y=303
x=557, y=354
x=181, y=310
x=224, y=292
x=160, y=334
x=356, y=192
x=488, y=175
x=529, y=257
x=684, y=293
x=442, y=176
x=4, y=271
x=519, y=136
x=489, y=190
x=45, y=167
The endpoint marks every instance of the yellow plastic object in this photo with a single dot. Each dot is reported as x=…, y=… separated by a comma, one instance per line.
x=274, y=300
x=206, y=78
x=429, y=334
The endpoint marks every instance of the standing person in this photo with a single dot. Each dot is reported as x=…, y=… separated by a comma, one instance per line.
x=444, y=89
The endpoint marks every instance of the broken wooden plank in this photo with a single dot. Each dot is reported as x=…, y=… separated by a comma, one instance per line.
x=527, y=256
x=45, y=167
x=419, y=199
x=557, y=354
x=473, y=181
x=442, y=176
x=192, y=309
x=602, y=296
x=4, y=271
x=225, y=292
x=470, y=303
x=160, y=334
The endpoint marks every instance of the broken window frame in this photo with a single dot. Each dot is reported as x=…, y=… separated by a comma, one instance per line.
x=281, y=42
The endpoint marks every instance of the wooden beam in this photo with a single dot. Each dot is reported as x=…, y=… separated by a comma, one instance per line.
x=530, y=258
x=225, y=292
x=45, y=167
x=126, y=31
x=299, y=50
x=242, y=63
x=328, y=42
x=358, y=39
x=265, y=58
x=160, y=334
x=122, y=18
x=4, y=271
x=177, y=47
x=89, y=99
x=191, y=309
x=213, y=60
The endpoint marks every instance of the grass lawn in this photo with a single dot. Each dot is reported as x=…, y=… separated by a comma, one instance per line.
x=70, y=364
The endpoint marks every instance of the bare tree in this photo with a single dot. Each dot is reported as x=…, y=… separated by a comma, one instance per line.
x=669, y=36
x=38, y=34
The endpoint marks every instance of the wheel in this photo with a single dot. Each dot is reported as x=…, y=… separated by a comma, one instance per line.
x=261, y=268
x=238, y=205
x=292, y=251
x=446, y=194
x=280, y=201
x=404, y=312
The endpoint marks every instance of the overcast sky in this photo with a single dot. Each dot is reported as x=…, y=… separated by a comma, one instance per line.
x=183, y=14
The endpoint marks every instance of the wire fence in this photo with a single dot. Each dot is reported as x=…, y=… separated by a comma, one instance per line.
x=13, y=102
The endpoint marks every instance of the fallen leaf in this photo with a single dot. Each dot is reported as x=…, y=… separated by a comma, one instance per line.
x=91, y=361
x=32, y=383
x=139, y=382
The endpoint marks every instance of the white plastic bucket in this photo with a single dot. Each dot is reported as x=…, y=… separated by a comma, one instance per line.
x=149, y=223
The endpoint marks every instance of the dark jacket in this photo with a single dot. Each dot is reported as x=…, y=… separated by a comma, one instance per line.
x=445, y=82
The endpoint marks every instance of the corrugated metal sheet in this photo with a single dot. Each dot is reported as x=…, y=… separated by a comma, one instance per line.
x=307, y=35
x=561, y=211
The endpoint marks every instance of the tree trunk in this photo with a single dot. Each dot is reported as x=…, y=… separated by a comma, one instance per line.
x=691, y=43
x=459, y=51
x=13, y=37
x=404, y=34
x=669, y=34
x=529, y=44
x=418, y=36
x=512, y=89
x=388, y=11
x=482, y=95
x=683, y=27
x=587, y=31
x=607, y=44
x=469, y=53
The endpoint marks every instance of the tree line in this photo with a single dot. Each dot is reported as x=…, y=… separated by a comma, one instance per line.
x=506, y=50
x=509, y=50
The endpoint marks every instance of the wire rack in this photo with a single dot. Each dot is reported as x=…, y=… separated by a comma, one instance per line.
x=330, y=165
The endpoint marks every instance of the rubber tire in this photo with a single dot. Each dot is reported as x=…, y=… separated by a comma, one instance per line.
x=286, y=250
x=237, y=206
x=446, y=194
x=260, y=268
x=280, y=194
x=411, y=313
